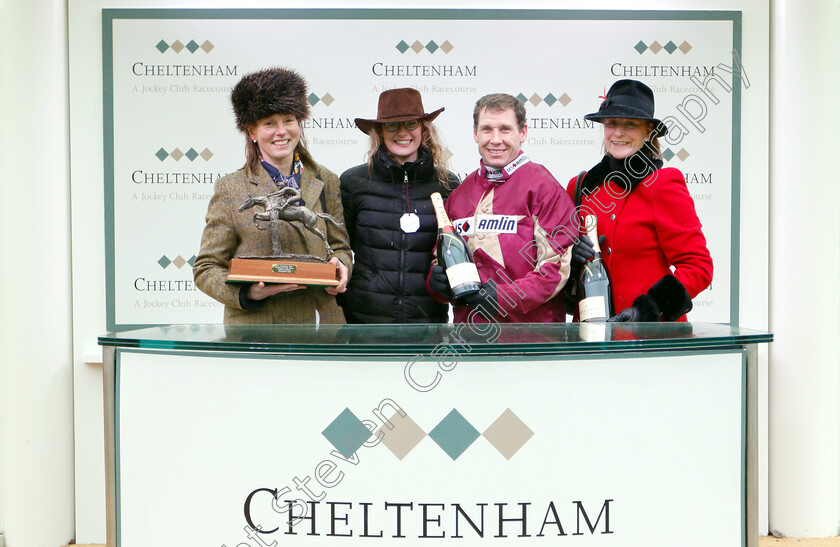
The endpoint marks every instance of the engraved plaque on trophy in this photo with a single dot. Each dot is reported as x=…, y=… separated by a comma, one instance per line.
x=283, y=267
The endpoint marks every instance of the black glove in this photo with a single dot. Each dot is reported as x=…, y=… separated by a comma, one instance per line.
x=439, y=283
x=485, y=301
x=667, y=300
x=584, y=249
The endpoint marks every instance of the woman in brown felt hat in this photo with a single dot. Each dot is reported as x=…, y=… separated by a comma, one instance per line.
x=390, y=217
x=269, y=106
x=647, y=223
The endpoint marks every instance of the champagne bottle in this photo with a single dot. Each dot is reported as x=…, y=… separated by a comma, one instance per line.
x=454, y=255
x=594, y=283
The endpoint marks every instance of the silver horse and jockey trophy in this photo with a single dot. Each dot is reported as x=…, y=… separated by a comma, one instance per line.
x=284, y=267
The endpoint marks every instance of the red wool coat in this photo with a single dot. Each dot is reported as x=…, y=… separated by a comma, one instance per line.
x=647, y=231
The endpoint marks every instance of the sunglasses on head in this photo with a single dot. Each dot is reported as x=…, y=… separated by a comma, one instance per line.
x=392, y=127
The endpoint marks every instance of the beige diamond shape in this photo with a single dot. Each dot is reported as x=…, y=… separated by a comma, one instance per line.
x=446, y=47
x=535, y=99
x=176, y=154
x=655, y=47
x=683, y=154
x=328, y=99
x=404, y=436
x=685, y=47
x=565, y=100
x=206, y=154
x=508, y=434
x=417, y=46
x=207, y=46
x=179, y=262
x=177, y=46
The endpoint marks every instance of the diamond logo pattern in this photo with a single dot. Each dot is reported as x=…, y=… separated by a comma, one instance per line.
x=314, y=99
x=454, y=434
x=192, y=46
x=656, y=47
x=177, y=155
x=550, y=99
x=669, y=154
x=417, y=46
x=179, y=261
x=346, y=433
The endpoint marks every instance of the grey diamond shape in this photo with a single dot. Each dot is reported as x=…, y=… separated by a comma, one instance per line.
x=668, y=154
x=522, y=98
x=191, y=261
x=313, y=99
x=162, y=154
x=191, y=154
x=192, y=46
x=432, y=46
x=402, y=47
x=641, y=47
x=670, y=47
x=162, y=46
x=454, y=434
x=164, y=262
x=550, y=99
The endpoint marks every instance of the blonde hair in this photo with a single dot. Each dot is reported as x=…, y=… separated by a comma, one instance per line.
x=430, y=139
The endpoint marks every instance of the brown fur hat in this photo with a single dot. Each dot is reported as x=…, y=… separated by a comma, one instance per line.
x=270, y=91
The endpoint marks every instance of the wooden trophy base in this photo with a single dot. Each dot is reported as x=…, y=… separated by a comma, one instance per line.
x=282, y=270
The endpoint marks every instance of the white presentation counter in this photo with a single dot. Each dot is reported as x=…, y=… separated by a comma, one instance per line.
x=518, y=434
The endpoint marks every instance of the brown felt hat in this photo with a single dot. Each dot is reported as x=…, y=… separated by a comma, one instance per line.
x=398, y=105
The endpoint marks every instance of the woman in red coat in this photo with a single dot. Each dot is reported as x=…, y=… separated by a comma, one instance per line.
x=647, y=223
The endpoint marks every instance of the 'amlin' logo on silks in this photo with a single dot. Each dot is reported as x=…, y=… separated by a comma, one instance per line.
x=487, y=224
x=454, y=434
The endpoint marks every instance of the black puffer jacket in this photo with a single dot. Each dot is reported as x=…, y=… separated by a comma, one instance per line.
x=390, y=266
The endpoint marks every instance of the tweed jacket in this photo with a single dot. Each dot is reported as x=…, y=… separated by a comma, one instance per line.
x=229, y=233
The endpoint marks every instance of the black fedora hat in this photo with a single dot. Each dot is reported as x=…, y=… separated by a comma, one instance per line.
x=628, y=99
x=398, y=105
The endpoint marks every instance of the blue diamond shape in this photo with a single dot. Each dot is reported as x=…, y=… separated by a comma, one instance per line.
x=550, y=99
x=347, y=433
x=162, y=154
x=313, y=99
x=454, y=434
x=668, y=154
x=191, y=261
x=432, y=46
x=641, y=47
x=164, y=262
x=162, y=46
x=402, y=46
x=522, y=98
x=670, y=47
x=191, y=154
x=192, y=46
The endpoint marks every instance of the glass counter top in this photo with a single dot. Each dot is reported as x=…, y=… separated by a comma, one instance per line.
x=464, y=338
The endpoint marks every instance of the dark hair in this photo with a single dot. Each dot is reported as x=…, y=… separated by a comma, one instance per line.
x=497, y=102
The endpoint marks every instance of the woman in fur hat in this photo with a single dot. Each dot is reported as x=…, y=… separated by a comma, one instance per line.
x=647, y=223
x=390, y=217
x=269, y=106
